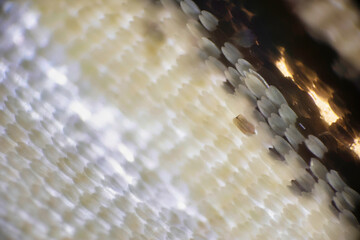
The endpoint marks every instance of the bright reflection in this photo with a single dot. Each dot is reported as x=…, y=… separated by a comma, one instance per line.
x=102, y=117
x=58, y=75
x=356, y=146
x=181, y=205
x=80, y=109
x=120, y=170
x=326, y=111
x=126, y=152
x=30, y=19
x=281, y=65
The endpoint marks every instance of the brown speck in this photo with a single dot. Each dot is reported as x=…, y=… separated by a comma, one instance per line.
x=244, y=125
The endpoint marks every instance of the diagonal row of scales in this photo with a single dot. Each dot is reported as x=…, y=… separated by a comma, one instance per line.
x=116, y=124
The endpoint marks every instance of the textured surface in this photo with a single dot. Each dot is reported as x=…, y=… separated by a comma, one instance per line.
x=115, y=125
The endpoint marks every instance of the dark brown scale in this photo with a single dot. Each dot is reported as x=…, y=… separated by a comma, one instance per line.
x=244, y=125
